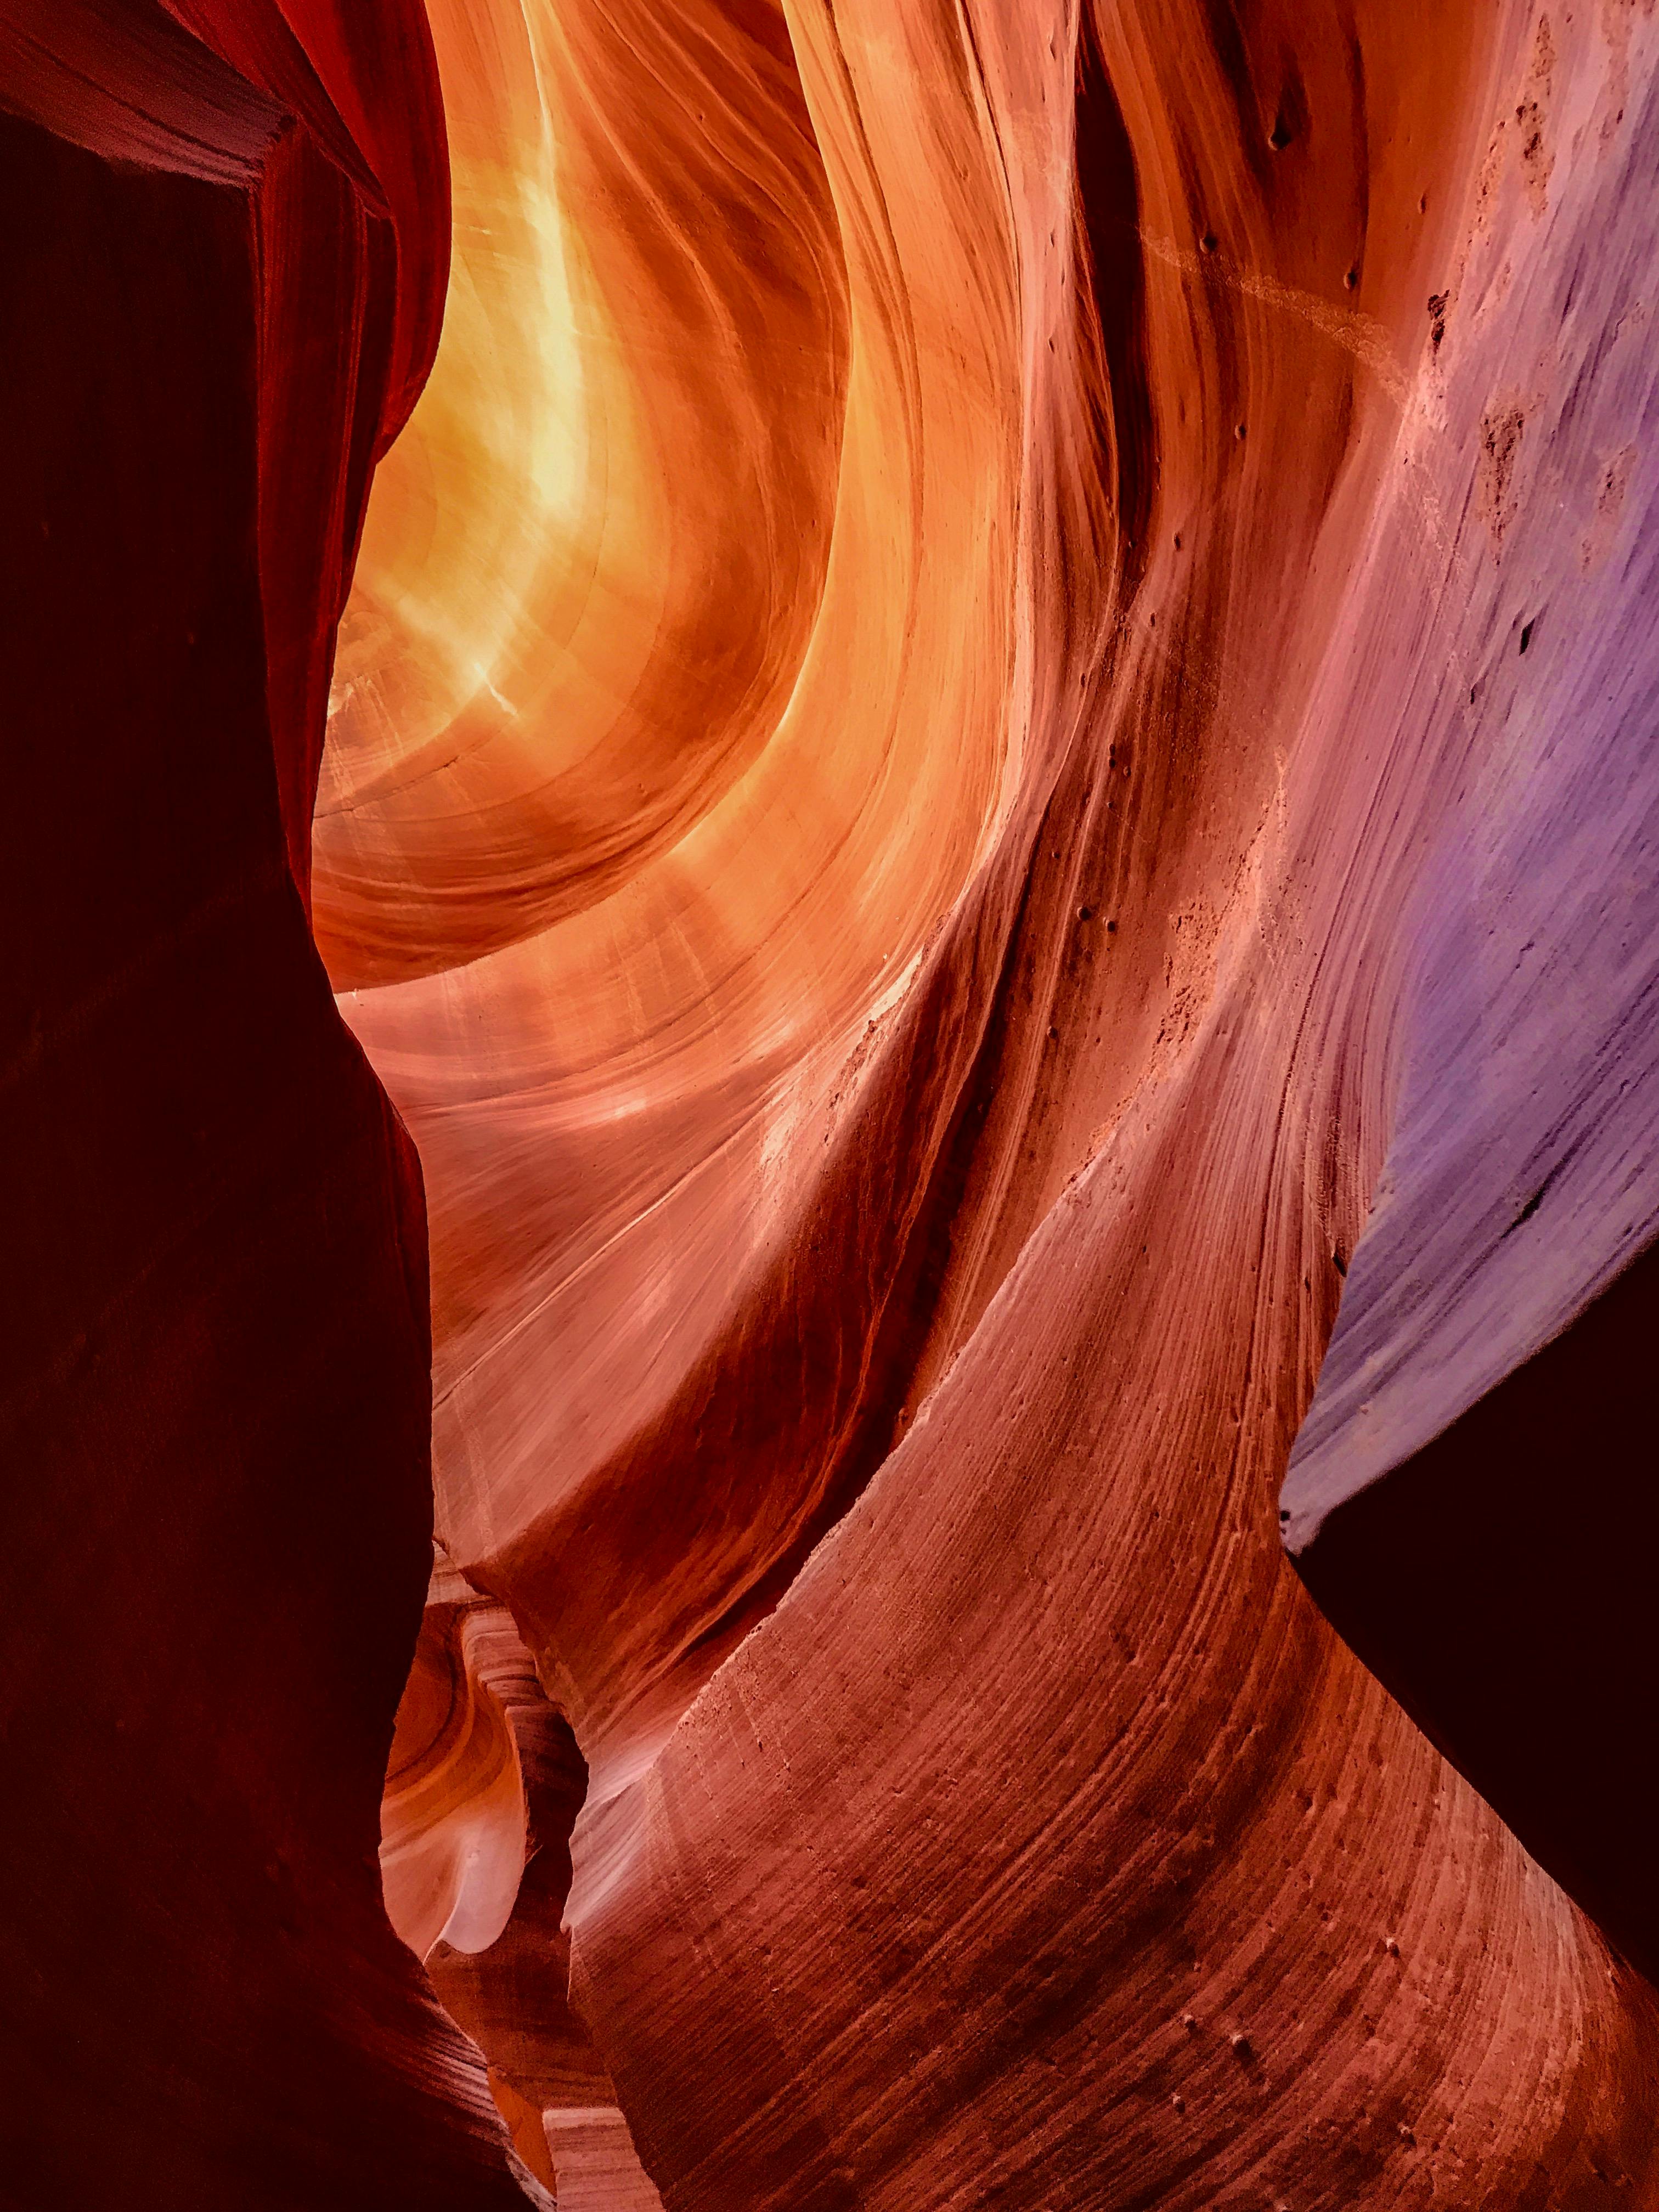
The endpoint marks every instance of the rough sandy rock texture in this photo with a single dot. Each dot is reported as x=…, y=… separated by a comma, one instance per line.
x=988, y=803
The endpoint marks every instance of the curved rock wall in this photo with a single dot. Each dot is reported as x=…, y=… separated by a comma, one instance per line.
x=961, y=1176
x=985, y=781
x=215, y=1389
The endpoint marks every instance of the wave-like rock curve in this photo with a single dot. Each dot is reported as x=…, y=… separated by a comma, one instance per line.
x=987, y=805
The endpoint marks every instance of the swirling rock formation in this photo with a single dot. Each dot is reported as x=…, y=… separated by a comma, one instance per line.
x=990, y=751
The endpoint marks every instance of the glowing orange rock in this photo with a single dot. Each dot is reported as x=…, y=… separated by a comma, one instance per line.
x=941, y=1137
x=989, y=778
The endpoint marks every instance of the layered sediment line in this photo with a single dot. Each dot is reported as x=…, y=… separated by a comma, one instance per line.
x=980, y=781
x=929, y=1204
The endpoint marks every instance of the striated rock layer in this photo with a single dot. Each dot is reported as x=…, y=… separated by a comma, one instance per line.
x=888, y=1218
x=988, y=779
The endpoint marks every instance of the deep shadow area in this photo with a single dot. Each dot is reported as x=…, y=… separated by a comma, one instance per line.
x=215, y=1356
x=1502, y=1584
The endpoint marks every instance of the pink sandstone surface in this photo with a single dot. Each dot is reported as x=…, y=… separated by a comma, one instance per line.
x=960, y=698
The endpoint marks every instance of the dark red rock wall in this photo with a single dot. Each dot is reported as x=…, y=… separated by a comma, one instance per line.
x=215, y=1388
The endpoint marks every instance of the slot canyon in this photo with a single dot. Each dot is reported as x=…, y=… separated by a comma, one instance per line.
x=830, y=1105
